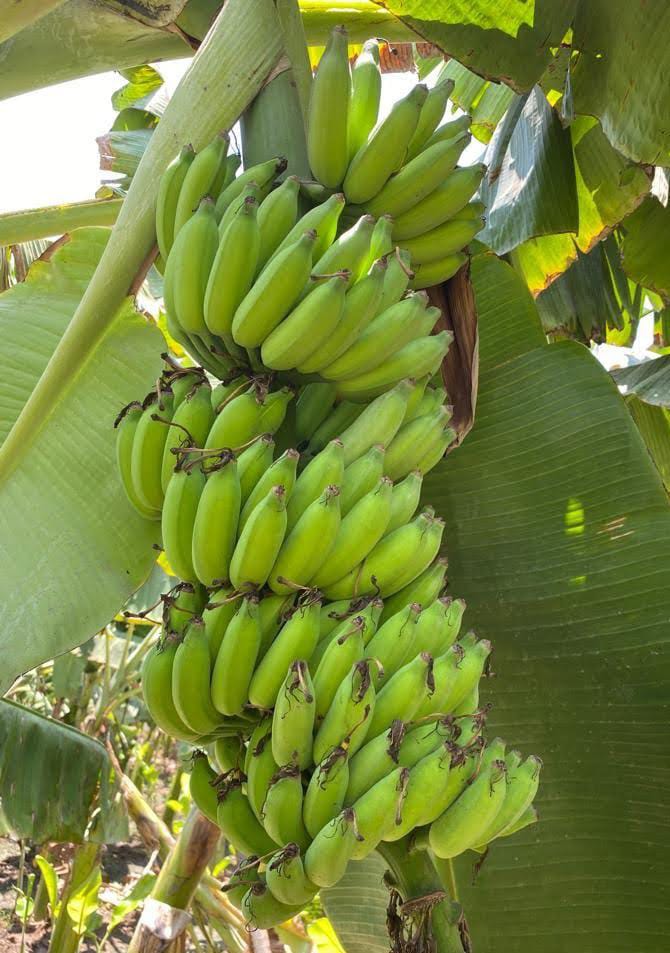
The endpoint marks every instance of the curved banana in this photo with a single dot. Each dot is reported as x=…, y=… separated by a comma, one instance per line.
x=191, y=422
x=418, y=179
x=378, y=423
x=348, y=719
x=276, y=217
x=439, y=625
x=308, y=326
x=402, y=694
x=361, y=476
x=366, y=88
x=341, y=653
x=260, y=767
x=397, y=278
x=359, y=533
x=233, y=269
x=216, y=615
x=393, y=644
x=323, y=219
x=260, y=541
x=239, y=421
x=201, y=786
x=225, y=175
x=326, y=790
x=442, y=242
x=251, y=195
x=422, y=356
x=261, y=175
x=282, y=809
x=280, y=473
x=157, y=690
x=374, y=761
x=200, y=175
x=236, y=659
x=307, y=545
x=229, y=753
x=454, y=680
x=427, y=789
x=238, y=822
x=432, y=113
x=183, y=602
x=450, y=130
x=522, y=783
x=272, y=612
x=408, y=446
x=312, y=407
x=262, y=909
x=178, y=518
x=424, y=589
x=325, y=469
x=168, y=197
x=327, y=150
x=190, y=681
x=253, y=464
x=404, y=500
x=379, y=811
x=462, y=824
x=293, y=718
x=329, y=853
x=381, y=241
x=286, y=878
x=125, y=436
x=146, y=456
x=188, y=266
x=349, y=252
x=214, y=529
x=448, y=198
x=296, y=639
x=385, y=151
x=341, y=417
x=274, y=293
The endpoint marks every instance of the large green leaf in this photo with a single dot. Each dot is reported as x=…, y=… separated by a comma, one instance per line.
x=653, y=422
x=645, y=246
x=357, y=906
x=51, y=776
x=558, y=534
x=618, y=77
x=86, y=547
x=509, y=40
x=648, y=380
x=535, y=191
x=486, y=102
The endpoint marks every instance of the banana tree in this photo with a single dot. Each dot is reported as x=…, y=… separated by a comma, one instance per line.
x=556, y=516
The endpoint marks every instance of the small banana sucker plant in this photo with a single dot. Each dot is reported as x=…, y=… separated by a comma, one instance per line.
x=369, y=360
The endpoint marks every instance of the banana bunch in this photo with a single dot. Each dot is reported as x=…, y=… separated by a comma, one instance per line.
x=404, y=166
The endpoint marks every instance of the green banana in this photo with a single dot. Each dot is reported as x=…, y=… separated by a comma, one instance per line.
x=251, y=196
x=276, y=217
x=341, y=417
x=260, y=767
x=126, y=425
x=439, y=626
x=216, y=615
x=199, y=178
x=360, y=306
x=468, y=704
x=183, y=602
x=424, y=589
x=427, y=791
x=381, y=241
x=393, y=643
x=448, y=198
x=404, y=500
x=402, y=694
x=374, y=761
x=522, y=783
x=280, y=473
x=236, y=659
x=273, y=610
x=157, y=690
x=323, y=220
x=327, y=150
x=422, y=356
x=225, y=175
x=233, y=269
x=348, y=719
x=282, y=809
x=432, y=113
x=262, y=175
x=260, y=541
x=262, y=909
x=396, y=280
x=178, y=518
x=297, y=639
x=379, y=811
x=384, y=152
x=253, y=463
x=191, y=673
x=168, y=198
x=245, y=417
x=343, y=650
x=455, y=680
x=307, y=545
x=201, y=786
x=274, y=293
x=183, y=382
x=329, y=853
x=463, y=823
x=228, y=753
x=359, y=533
x=443, y=241
x=313, y=406
x=326, y=790
x=188, y=267
x=366, y=613
x=394, y=562
x=348, y=253
x=407, y=447
x=242, y=875
x=425, y=737
x=286, y=878
x=361, y=476
x=378, y=423
x=366, y=88
x=326, y=468
x=308, y=326
x=215, y=525
x=425, y=398
x=238, y=822
x=293, y=718
x=418, y=179
x=191, y=423
x=146, y=456
x=435, y=272
x=450, y=130
x=391, y=330
x=436, y=450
